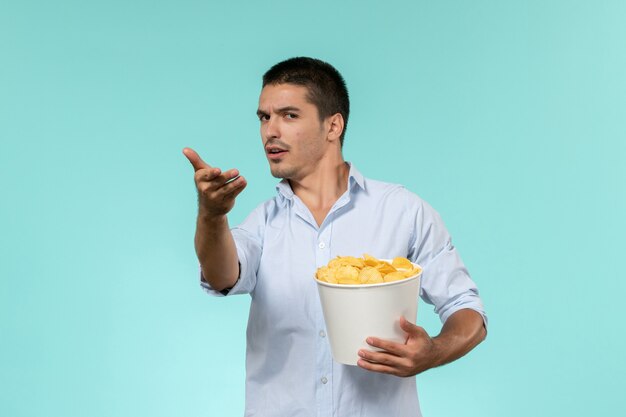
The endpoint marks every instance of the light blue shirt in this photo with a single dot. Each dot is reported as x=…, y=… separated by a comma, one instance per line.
x=289, y=367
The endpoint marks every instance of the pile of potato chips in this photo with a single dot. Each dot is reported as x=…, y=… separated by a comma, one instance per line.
x=367, y=270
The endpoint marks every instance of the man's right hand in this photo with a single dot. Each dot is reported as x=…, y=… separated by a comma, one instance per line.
x=217, y=190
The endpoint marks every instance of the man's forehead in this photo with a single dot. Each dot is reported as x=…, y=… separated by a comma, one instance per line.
x=284, y=95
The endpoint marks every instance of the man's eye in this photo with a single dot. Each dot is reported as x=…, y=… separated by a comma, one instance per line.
x=291, y=116
x=264, y=117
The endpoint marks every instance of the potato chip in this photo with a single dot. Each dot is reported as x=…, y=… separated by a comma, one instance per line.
x=370, y=260
x=385, y=267
x=410, y=272
x=348, y=270
x=322, y=273
x=402, y=263
x=394, y=276
x=335, y=263
x=347, y=275
x=352, y=261
x=370, y=275
x=326, y=274
x=349, y=282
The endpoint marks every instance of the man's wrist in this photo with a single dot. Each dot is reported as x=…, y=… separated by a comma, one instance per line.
x=460, y=334
x=439, y=351
x=210, y=219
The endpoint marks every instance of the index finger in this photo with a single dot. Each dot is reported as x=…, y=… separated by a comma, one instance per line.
x=389, y=346
x=195, y=159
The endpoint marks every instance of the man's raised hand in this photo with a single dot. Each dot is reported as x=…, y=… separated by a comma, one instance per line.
x=216, y=189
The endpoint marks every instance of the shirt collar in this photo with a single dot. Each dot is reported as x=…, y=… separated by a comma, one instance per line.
x=354, y=178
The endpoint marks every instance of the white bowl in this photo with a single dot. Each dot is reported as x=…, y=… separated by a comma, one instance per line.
x=355, y=312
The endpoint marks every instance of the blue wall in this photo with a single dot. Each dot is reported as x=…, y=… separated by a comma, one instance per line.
x=508, y=117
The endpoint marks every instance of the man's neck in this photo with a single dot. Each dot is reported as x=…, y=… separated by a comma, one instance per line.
x=321, y=189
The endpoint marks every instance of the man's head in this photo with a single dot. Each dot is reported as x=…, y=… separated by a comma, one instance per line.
x=325, y=86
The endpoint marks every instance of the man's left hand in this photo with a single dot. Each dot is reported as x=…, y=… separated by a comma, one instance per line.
x=418, y=354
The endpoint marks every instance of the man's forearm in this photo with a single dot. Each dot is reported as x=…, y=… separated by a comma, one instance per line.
x=216, y=251
x=461, y=332
x=214, y=242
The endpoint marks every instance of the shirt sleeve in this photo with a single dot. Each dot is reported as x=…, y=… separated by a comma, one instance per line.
x=249, y=243
x=445, y=281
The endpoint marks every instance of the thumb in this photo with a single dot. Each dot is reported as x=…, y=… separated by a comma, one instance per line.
x=409, y=327
x=195, y=159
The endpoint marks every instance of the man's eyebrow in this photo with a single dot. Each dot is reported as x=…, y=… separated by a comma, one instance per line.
x=285, y=109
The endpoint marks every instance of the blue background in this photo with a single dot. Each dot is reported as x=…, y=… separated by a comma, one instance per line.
x=508, y=117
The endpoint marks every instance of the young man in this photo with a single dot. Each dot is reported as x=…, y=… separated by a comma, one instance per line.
x=324, y=207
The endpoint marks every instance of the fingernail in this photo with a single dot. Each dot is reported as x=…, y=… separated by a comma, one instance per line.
x=369, y=340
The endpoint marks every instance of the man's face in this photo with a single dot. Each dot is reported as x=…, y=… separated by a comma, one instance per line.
x=293, y=137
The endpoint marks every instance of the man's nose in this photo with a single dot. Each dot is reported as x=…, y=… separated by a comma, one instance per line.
x=271, y=129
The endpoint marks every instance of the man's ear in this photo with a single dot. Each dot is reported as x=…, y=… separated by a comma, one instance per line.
x=335, y=127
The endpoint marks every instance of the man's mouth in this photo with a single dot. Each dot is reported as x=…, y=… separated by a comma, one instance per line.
x=274, y=152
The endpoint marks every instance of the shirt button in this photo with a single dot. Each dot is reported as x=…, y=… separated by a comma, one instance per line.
x=322, y=333
x=322, y=245
x=324, y=380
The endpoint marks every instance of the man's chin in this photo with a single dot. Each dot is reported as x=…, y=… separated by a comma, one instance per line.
x=280, y=173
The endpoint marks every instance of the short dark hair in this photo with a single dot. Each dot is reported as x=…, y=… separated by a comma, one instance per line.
x=326, y=87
